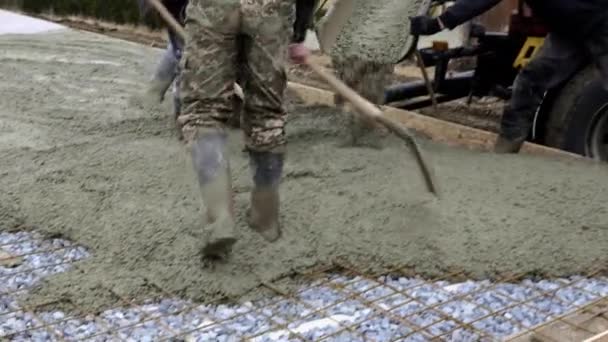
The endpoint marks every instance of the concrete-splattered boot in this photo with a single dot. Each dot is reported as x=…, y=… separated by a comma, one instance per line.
x=504, y=145
x=263, y=215
x=212, y=167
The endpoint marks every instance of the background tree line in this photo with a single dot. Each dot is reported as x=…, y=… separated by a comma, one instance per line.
x=117, y=11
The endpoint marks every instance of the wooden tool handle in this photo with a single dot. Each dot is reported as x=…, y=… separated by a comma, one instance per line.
x=369, y=109
x=168, y=18
x=366, y=107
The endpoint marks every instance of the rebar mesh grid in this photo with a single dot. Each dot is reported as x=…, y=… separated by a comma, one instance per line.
x=588, y=323
x=339, y=303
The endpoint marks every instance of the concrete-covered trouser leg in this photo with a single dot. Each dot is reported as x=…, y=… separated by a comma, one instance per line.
x=266, y=30
x=211, y=164
x=557, y=60
x=206, y=87
x=177, y=46
x=164, y=75
x=369, y=79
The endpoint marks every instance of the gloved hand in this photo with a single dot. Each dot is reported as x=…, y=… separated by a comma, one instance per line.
x=424, y=26
x=298, y=53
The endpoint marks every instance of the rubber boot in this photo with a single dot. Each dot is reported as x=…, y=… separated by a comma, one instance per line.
x=213, y=171
x=504, y=145
x=263, y=215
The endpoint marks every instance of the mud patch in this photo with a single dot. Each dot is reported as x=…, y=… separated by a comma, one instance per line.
x=113, y=179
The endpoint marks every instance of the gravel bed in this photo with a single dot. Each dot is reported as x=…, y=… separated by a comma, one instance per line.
x=343, y=308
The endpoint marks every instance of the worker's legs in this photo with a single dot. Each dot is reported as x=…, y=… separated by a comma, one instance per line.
x=164, y=75
x=557, y=60
x=206, y=85
x=369, y=80
x=597, y=45
x=266, y=27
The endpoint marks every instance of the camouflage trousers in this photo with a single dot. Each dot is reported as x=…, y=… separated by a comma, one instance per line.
x=242, y=41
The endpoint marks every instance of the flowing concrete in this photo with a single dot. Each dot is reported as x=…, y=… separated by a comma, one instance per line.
x=81, y=161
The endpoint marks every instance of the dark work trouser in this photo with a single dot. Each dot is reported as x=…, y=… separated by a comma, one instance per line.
x=558, y=59
x=168, y=68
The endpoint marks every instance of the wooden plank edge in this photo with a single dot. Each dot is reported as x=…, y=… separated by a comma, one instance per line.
x=437, y=130
x=535, y=333
x=599, y=337
x=405, y=69
x=9, y=260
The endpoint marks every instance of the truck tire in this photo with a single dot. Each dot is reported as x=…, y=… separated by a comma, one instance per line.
x=578, y=119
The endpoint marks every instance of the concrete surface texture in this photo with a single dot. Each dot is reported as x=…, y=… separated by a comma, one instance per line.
x=382, y=27
x=378, y=31
x=80, y=161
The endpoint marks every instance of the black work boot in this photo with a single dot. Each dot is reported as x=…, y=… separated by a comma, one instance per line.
x=504, y=145
x=263, y=215
x=514, y=127
x=212, y=167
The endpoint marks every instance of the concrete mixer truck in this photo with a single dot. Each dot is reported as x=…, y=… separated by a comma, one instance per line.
x=573, y=115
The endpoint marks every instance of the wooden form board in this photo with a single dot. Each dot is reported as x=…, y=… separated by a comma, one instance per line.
x=589, y=324
x=437, y=130
x=402, y=69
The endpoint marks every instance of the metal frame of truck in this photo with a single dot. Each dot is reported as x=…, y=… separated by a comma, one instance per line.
x=572, y=117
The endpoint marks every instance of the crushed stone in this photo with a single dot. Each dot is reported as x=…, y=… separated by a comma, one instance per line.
x=317, y=309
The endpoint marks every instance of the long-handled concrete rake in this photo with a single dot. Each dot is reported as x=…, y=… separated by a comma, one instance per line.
x=371, y=111
x=364, y=107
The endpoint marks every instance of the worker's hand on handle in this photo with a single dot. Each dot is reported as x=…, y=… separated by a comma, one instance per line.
x=298, y=53
x=425, y=25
